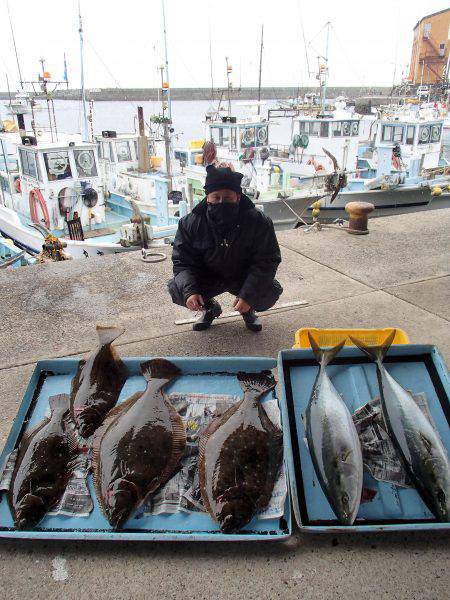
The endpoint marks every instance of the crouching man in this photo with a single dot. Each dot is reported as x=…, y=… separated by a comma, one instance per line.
x=225, y=245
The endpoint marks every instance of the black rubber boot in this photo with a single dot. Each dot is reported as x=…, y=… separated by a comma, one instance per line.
x=251, y=321
x=211, y=312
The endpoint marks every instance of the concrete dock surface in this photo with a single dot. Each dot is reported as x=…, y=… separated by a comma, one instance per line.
x=396, y=276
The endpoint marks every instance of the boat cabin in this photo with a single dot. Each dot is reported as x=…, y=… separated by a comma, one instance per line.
x=51, y=182
x=238, y=136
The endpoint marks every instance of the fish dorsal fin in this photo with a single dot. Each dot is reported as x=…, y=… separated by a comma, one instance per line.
x=107, y=334
x=324, y=357
x=160, y=368
x=375, y=353
x=256, y=382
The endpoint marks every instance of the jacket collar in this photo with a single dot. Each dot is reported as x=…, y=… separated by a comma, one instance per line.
x=244, y=204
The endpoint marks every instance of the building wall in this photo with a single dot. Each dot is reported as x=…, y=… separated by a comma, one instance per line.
x=428, y=57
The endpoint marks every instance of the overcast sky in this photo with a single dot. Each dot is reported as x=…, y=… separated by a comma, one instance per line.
x=124, y=40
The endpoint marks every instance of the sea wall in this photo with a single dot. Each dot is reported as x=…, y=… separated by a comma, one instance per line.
x=251, y=93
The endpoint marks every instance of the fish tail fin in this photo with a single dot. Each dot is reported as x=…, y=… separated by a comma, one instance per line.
x=159, y=368
x=375, y=353
x=324, y=357
x=256, y=382
x=107, y=334
x=59, y=403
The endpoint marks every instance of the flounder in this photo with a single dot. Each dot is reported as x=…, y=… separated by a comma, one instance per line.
x=43, y=467
x=139, y=445
x=333, y=441
x=421, y=449
x=240, y=455
x=97, y=385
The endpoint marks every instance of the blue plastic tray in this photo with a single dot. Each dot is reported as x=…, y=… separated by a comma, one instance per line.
x=418, y=368
x=212, y=375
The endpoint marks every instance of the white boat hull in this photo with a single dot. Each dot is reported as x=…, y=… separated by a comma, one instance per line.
x=31, y=240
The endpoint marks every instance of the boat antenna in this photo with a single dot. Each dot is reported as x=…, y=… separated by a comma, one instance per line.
x=15, y=47
x=166, y=60
x=85, y=128
x=9, y=91
x=260, y=68
x=324, y=86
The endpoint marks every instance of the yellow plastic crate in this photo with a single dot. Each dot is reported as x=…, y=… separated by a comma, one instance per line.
x=197, y=144
x=331, y=337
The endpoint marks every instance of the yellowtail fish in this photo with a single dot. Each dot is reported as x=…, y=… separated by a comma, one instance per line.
x=333, y=441
x=139, y=445
x=421, y=449
x=97, y=384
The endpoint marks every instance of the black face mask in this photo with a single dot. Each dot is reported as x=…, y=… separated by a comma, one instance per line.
x=223, y=215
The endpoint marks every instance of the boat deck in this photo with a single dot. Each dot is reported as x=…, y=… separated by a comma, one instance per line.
x=398, y=275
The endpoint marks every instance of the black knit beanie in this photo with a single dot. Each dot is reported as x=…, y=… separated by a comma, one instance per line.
x=222, y=178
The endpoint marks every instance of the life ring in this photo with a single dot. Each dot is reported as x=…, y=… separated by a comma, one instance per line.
x=36, y=198
x=18, y=185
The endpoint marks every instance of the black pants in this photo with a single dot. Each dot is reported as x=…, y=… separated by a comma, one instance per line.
x=210, y=289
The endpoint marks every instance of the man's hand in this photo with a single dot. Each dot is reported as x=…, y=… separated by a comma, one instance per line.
x=241, y=305
x=195, y=302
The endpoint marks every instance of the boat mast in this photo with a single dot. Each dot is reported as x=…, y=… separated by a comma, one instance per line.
x=324, y=87
x=166, y=60
x=85, y=127
x=260, y=69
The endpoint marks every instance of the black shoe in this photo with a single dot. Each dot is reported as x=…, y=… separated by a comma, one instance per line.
x=251, y=321
x=211, y=312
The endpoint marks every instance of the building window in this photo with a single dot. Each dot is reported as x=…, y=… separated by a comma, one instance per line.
x=410, y=131
x=427, y=30
x=442, y=49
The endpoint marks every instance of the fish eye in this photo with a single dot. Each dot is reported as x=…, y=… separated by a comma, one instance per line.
x=345, y=498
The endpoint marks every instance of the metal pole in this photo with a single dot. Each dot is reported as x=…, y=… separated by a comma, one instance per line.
x=260, y=69
x=326, y=68
x=228, y=86
x=167, y=149
x=166, y=60
x=85, y=128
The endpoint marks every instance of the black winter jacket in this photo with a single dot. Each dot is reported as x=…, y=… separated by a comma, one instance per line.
x=249, y=254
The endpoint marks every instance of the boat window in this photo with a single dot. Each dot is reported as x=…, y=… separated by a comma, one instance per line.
x=247, y=137
x=179, y=155
x=136, y=151
x=324, y=129
x=346, y=128
x=355, y=127
x=424, y=134
x=398, y=133
x=194, y=158
x=215, y=135
x=436, y=133
x=410, y=131
x=302, y=127
x=123, y=151
x=224, y=136
x=4, y=184
x=314, y=128
x=262, y=134
x=107, y=151
x=336, y=128
x=85, y=161
x=28, y=163
x=234, y=137
x=57, y=165
x=387, y=133
x=99, y=150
